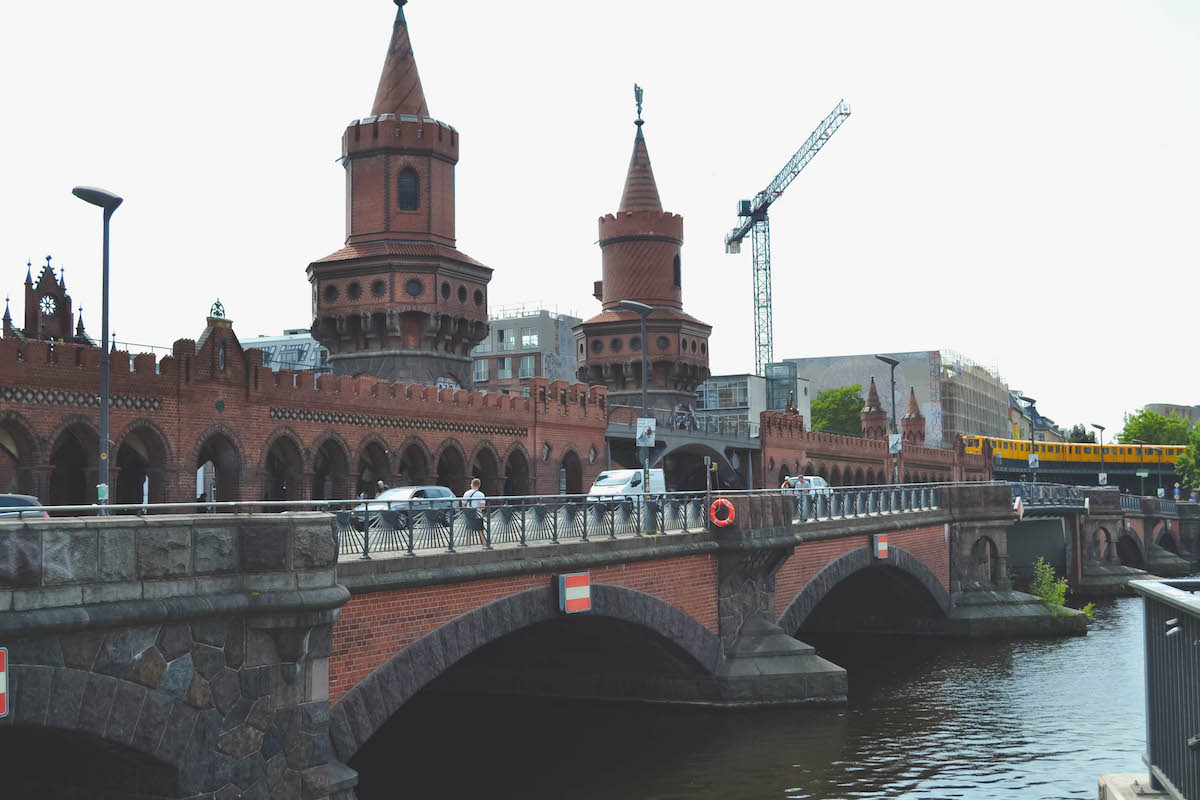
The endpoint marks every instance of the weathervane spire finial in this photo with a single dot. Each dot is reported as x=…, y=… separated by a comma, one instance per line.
x=637, y=98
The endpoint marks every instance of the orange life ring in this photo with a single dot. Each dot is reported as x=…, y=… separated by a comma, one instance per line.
x=720, y=503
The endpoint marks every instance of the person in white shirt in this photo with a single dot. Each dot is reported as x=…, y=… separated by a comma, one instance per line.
x=474, y=502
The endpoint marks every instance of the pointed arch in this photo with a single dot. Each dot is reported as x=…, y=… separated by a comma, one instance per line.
x=330, y=467
x=74, y=462
x=217, y=458
x=517, y=472
x=414, y=462
x=283, y=465
x=570, y=468
x=19, y=453
x=143, y=456
x=485, y=465
x=372, y=463
x=451, y=465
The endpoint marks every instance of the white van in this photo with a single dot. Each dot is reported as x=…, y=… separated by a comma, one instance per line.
x=626, y=481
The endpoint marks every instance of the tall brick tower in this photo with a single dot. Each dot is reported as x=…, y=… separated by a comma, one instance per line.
x=399, y=301
x=873, y=418
x=913, y=424
x=640, y=257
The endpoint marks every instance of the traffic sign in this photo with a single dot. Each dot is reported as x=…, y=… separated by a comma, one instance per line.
x=3, y=681
x=879, y=545
x=894, y=443
x=574, y=593
x=1103, y=479
x=1142, y=473
x=645, y=432
x=1033, y=460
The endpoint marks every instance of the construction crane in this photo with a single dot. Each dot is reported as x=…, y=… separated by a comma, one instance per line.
x=752, y=216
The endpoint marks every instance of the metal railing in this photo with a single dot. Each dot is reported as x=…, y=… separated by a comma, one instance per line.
x=1172, y=646
x=846, y=502
x=1131, y=502
x=1048, y=494
x=409, y=526
x=1167, y=506
x=686, y=422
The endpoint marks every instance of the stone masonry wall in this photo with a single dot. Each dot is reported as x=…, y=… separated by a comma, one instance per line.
x=200, y=642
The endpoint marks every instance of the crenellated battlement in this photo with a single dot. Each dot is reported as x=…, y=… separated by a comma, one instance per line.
x=642, y=224
x=403, y=132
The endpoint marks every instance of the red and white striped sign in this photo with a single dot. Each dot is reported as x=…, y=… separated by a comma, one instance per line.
x=574, y=593
x=879, y=544
x=3, y=681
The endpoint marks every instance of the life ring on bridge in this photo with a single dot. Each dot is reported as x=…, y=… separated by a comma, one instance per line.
x=721, y=504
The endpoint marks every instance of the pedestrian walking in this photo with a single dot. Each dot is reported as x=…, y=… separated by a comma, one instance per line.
x=474, y=502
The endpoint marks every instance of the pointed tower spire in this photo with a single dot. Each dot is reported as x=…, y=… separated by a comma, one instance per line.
x=79, y=332
x=29, y=273
x=7, y=315
x=914, y=408
x=400, y=89
x=873, y=403
x=62, y=278
x=872, y=417
x=641, y=192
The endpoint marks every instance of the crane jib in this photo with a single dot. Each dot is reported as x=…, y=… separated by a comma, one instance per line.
x=752, y=216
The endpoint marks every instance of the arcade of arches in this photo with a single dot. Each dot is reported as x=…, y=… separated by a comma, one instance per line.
x=63, y=470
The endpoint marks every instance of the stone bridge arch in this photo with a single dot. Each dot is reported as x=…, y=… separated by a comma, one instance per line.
x=683, y=466
x=849, y=564
x=371, y=703
x=1131, y=550
x=1165, y=538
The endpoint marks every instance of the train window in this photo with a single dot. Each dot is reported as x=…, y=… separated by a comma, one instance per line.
x=1087, y=450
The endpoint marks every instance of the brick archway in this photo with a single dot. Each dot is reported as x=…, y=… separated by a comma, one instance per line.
x=366, y=707
x=843, y=567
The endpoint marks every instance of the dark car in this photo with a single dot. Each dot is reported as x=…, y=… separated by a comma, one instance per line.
x=419, y=503
x=20, y=506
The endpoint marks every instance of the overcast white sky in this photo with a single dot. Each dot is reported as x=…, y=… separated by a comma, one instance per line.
x=1017, y=181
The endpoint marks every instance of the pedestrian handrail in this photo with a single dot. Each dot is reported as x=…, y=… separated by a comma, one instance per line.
x=1048, y=494
x=687, y=422
x=1172, y=630
x=1167, y=506
x=844, y=502
x=1131, y=502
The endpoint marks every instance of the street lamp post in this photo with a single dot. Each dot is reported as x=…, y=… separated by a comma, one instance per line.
x=643, y=311
x=1032, y=444
x=1101, y=429
x=891, y=362
x=1141, y=465
x=108, y=202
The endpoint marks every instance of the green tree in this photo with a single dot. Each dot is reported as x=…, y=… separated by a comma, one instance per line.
x=1187, y=464
x=836, y=410
x=1079, y=434
x=1154, y=428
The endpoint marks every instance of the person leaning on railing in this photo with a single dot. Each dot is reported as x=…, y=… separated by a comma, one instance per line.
x=474, y=502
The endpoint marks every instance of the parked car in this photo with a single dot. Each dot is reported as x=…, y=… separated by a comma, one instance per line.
x=410, y=502
x=21, y=506
x=611, y=484
x=808, y=484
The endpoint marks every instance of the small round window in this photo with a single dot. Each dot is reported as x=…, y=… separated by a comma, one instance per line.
x=378, y=287
x=414, y=288
x=663, y=343
x=354, y=290
x=693, y=345
x=462, y=294
x=446, y=290
x=635, y=343
x=581, y=348
x=703, y=348
x=615, y=345
x=597, y=346
x=330, y=293
x=479, y=297
x=683, y=344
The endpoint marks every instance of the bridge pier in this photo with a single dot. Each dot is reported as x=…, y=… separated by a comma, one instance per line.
x=179, y=657
x=761, y=663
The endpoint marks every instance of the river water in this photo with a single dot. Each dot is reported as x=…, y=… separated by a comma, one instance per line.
x=926, y=718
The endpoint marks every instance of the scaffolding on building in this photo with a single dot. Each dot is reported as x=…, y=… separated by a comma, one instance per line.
x=974, y=398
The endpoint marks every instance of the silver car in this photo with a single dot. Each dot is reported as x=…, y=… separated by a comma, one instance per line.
x=431, y=504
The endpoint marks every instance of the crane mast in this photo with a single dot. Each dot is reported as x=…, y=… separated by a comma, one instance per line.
x=752, y=218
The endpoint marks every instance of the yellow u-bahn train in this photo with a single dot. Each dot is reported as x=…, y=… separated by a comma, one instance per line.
x=1084, y=455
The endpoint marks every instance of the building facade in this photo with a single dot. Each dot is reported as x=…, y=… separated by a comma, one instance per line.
x=293, y=349
x=956, y=396
x=739, y=400
x=522, y=344
x=1190, y=413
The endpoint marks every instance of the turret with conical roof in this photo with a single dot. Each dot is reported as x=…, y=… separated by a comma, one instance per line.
x=399, y=300
x=641, y=261
x=913, y=425
x=873, y=417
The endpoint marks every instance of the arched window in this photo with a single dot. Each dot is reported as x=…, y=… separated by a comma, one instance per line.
x=678, y=274
x=407, y=189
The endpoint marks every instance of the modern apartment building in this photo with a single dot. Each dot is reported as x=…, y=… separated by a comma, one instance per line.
x=1190, y=413
x=956, y=395
x=294, y=349
x=524, y=343
x=743, y=397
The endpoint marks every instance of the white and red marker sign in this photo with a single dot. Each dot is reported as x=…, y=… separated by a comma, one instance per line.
x=879, y=544
x=3, y=681
x=574, y=593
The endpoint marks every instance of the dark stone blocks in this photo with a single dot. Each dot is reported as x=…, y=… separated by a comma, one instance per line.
x=20, y=559
x=265, y=550
x=97, y=703
x=67, y=696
